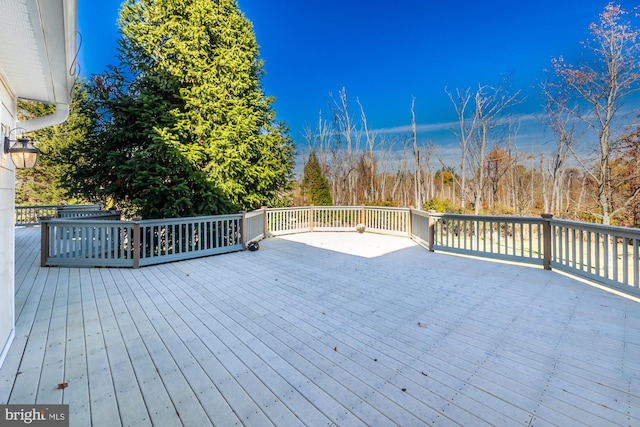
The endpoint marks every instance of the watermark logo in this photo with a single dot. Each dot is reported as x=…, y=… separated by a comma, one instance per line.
x=34, y=415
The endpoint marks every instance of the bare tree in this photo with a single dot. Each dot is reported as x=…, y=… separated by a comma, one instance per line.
x=490, y=106
x=560, y=118
x=463, y=133
x=429, y=149
x=369, y=161
x=417, y=174
x=601, y=86
x=345, y=148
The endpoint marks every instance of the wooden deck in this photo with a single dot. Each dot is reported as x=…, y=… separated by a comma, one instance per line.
x=322, y=329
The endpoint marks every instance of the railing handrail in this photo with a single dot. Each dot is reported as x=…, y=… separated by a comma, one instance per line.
x=175, y=221
x=88, y=206
x=257, y=212
x=87, y=221
x=386, y=208
x=597, y=228
x=471, y=217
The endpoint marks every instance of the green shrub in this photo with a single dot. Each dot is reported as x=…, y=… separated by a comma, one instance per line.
x=439, y=205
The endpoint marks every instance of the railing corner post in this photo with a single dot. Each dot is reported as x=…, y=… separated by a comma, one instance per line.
x=44, y=240
x=311, y=218
x=546, y=241
x=136, y=242
x=265, y=222
x=243, y=230
x=432, y=230
x=410, y=222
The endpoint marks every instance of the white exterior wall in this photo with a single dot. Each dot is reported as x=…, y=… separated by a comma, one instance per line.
x=7, y=234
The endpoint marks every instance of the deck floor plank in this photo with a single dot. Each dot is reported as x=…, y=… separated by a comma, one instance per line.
x=322, y=329
x=103, y=405
x=76, y=373
x=53, y=366
x=37, y=332
x=138, y=330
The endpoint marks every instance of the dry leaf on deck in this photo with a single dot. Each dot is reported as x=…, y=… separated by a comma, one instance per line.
x=62, y=386
x=422, y=325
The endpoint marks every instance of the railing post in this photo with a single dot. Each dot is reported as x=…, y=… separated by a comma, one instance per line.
x=136, y=242
x=410, y=221
x=311, y=218
x=44, y=240
x=265, y=222
x=243, y=230
x=432, y=230
x=546, y=241
x=363, y=216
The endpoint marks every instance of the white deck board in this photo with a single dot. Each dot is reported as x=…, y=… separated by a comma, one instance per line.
x=322, y=329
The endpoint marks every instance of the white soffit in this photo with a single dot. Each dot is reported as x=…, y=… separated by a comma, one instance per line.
x=38, y=47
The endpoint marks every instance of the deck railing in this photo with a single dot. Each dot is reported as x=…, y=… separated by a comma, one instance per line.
x=166, y=240
x=607, y=255
x=394, y=221
x=516, y=239
x=254, y=225
x=86, y=243
x=101, y=242
x=31, y=215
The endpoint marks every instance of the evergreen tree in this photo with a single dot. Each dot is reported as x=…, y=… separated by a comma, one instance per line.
x=45, y=184
x=315, y=187
x=187, y=129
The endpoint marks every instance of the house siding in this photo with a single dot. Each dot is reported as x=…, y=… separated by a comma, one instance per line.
x=7, y=230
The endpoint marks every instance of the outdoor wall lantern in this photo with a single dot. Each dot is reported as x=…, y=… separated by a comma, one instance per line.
x=23, y=153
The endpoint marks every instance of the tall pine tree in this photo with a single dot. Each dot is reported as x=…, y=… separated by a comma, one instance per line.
x=187, y=128
x=45, y=184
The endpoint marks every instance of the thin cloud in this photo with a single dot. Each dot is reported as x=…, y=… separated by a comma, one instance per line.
x=445, y=126
x=424, y=127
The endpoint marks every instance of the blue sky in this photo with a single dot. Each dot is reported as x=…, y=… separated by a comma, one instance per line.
x=384, y=53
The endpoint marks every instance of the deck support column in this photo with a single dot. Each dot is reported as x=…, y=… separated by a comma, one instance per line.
x=136, y=242
x=432, y=230
x=243, y=230
x=546, y=241
x=44, y=240
x=265, y=222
